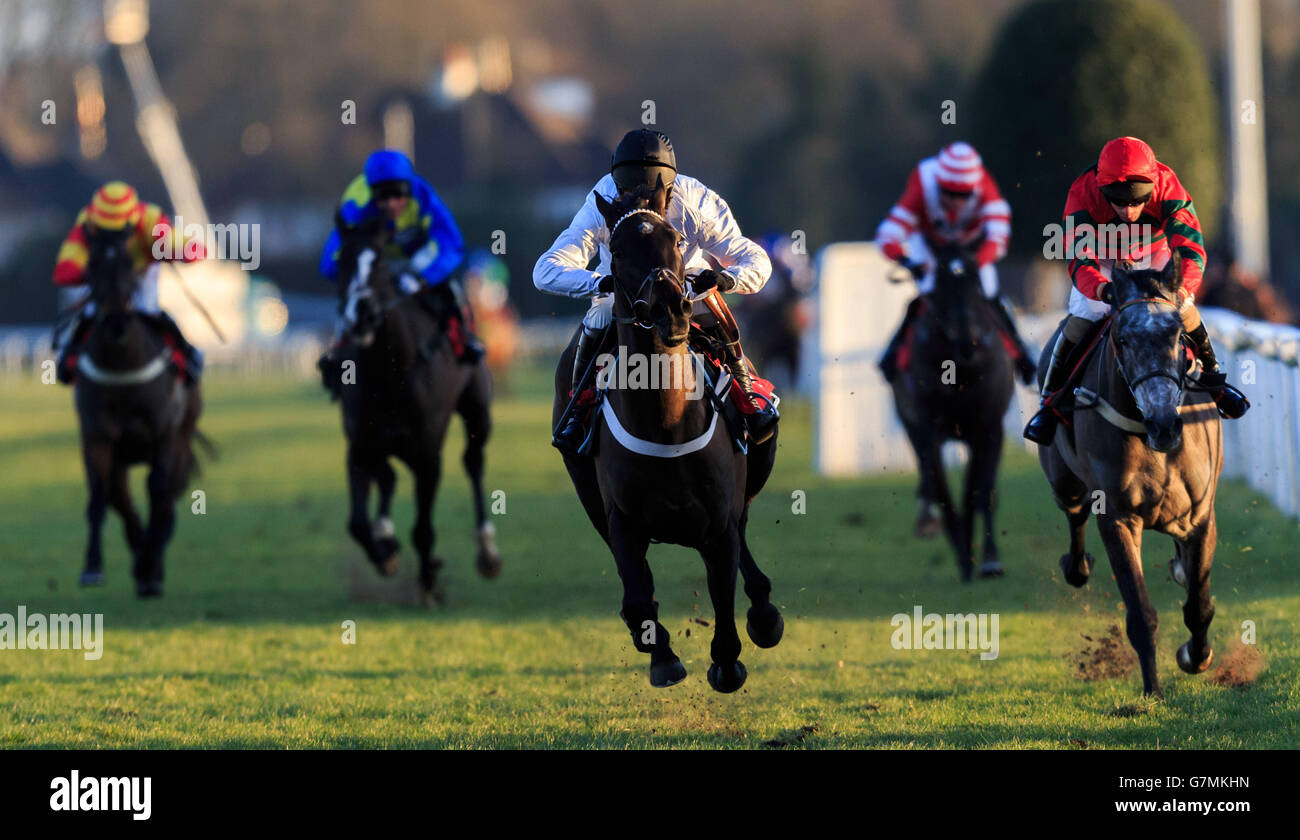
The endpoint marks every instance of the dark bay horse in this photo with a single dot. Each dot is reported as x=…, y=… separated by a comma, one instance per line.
x=665, y=468
x=957, y=386
x=133, y=409
x=398, y=403
x=1143, y=452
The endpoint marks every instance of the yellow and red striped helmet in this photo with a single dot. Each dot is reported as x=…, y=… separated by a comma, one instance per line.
x=114, y=206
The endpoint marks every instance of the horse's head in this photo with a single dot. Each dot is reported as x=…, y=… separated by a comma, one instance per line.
x=646, y=264
x=955, y=301
x=110, y=270
x=369, y=287
x=1148, y=329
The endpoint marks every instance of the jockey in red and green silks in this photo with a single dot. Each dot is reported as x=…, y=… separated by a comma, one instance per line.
x=1128, y=186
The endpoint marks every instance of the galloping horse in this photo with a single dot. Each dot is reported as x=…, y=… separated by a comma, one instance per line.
x=956, y=385
x=133, y=409
x=1144, y=451
x=665, y=467
x=406, y=385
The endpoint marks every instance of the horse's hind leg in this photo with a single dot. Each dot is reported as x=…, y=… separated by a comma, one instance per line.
x=383, y=552
x=473, y=410
x=764, y=623
x=1072, y=497
x=1124, y=548
x=640, y=611
x=119, y=497
x=427, y=477
x=721, y=562
x=1197, y=555
x=98, y=459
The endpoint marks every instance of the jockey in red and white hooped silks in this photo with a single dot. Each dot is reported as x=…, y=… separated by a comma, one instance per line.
x=950, y=200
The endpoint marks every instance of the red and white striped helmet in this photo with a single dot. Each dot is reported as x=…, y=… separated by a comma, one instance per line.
x=960, y=168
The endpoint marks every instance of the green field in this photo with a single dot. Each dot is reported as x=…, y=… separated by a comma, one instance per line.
x=245, y=649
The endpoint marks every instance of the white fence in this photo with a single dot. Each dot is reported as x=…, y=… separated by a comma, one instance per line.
x=857, y=433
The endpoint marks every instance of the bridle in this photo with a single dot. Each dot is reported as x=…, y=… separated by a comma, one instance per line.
x=636, y=303
x=1180, y=380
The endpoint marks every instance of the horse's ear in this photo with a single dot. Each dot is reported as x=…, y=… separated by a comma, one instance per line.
x=339, y=224
x=1122, y=277
x=659, y=197
x=606, y=209
x=1171, y=277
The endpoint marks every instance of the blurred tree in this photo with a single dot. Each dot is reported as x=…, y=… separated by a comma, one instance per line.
x=1065, y=77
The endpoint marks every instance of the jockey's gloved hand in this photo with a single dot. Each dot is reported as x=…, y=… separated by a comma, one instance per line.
x=1106, y=293
x=710, y=279
x=409, y=283
x=606, y=285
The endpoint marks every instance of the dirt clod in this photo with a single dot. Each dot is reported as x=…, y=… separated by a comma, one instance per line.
x=1240, y=668
x=794, y=736
x=1107, y=657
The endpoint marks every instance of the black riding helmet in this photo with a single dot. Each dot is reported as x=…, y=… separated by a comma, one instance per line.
x=642, y=158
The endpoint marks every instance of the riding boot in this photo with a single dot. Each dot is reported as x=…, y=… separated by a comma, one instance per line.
x=762, y=421
x=888, y=363
x=1042, y=426
x=193, y=356
x=1024, y=362
x=1232, y=403
x=460, y=319
x=574, y=429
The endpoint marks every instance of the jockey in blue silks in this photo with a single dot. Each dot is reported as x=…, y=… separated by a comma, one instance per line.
x=425, y=247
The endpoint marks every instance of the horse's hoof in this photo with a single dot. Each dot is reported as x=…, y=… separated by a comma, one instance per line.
x=389, y=551
x=91, y=579
x=1077, y=574
x=928, y=526
x=433, y=597
x=727, y=678
x=664, y=674
x=991, y=569
x=1178, y=571
x=1185, y=659
x=765, y=625
x=488, y=564
x=149, y=589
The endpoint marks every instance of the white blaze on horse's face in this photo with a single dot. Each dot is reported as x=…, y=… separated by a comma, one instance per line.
x=359, y=288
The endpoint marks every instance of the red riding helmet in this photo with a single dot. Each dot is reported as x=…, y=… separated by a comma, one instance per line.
x=960, y=168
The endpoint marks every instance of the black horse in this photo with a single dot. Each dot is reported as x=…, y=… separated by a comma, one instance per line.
x=665, y=468
x=399, y=392
x=957, y=386
x=133, y=409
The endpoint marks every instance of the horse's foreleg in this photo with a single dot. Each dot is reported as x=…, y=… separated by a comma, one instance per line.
x=929, y=474
x=721, y=562
x=162, y=523
x=427, y=477
x=981, y=488
x=97, y=458
x=640, y=610
x=1197, y=555
x=934, y=488
x=764, y=623
x=473, y=409
x=386, y=481
x=1123, y=539
x=381, y=548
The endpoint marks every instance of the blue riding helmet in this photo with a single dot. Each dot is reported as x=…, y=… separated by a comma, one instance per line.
x=388, y=165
